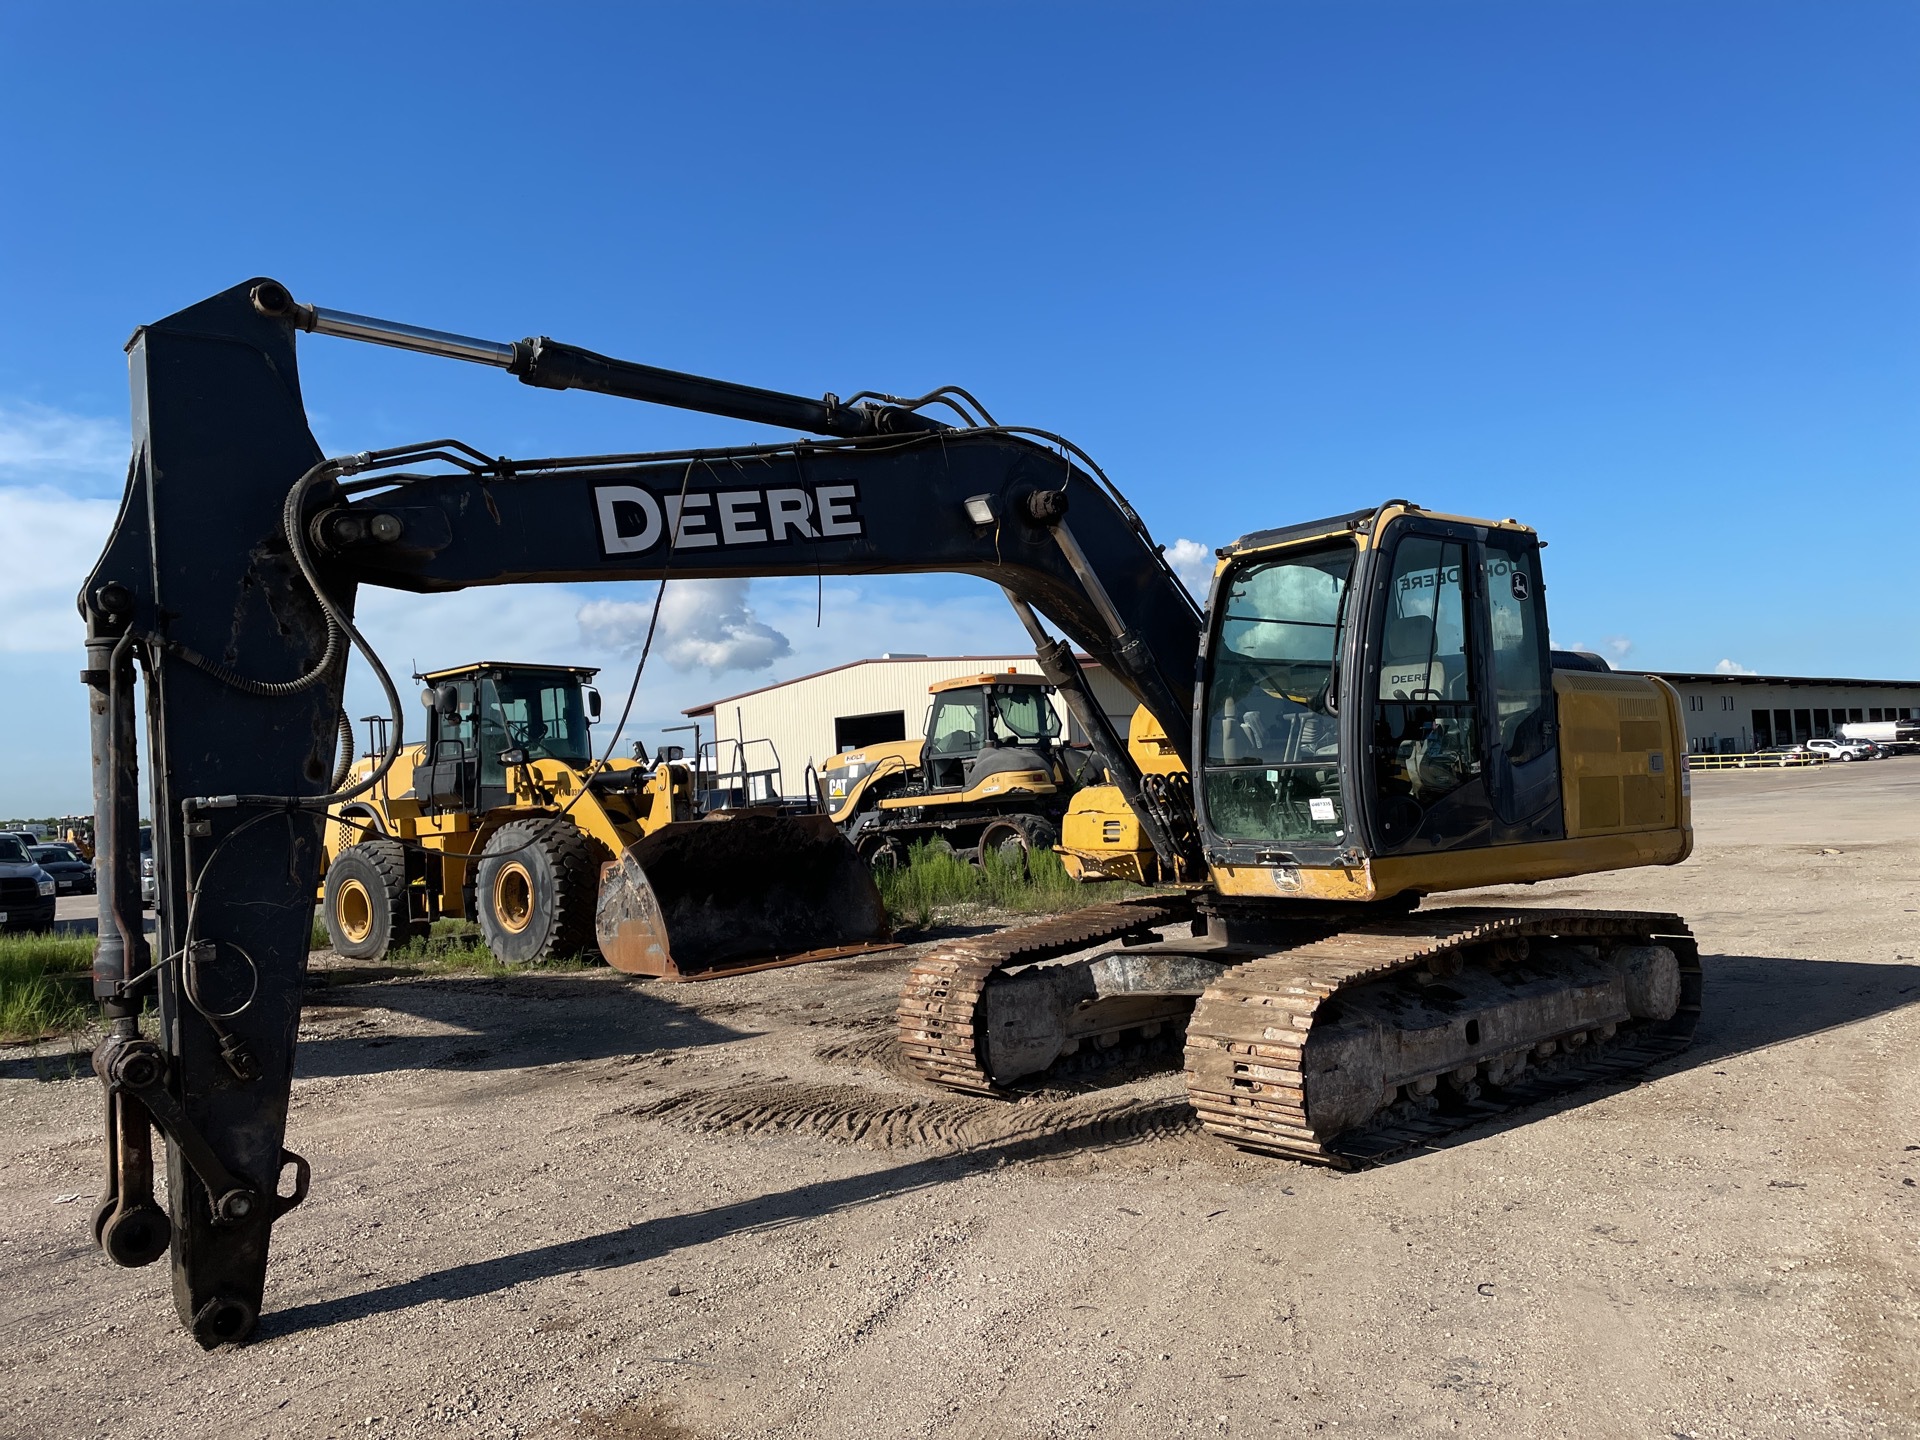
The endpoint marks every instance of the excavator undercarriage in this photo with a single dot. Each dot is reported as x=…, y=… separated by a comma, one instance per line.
x=1346, y=1044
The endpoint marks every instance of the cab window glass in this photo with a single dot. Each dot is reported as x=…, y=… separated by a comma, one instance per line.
x=1272, y=744
x=1426, y=741
x=545, y=718
x=463, y=726
x=1024, y=713
x=1424, y=641
x=1522, y=680
x=957, y=724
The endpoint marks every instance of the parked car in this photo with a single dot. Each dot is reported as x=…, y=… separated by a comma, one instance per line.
x=1795, y=754
x=148, y=885
x=1843, y=749
x=27, y=893
x=71, y=874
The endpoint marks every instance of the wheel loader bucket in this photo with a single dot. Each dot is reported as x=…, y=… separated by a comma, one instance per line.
x=731, y=893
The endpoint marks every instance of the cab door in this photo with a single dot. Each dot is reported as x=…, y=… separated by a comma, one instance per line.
x=449, y=779
x=1425, y=776
x=1523, y=733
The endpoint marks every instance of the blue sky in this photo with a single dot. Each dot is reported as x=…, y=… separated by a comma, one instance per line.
x=1644, y=275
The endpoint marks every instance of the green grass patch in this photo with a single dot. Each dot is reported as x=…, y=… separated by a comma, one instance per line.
x=454, y=947
x=935, y=882
x=44, y=987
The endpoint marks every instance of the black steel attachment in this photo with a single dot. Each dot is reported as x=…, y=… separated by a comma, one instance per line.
x=555, y=366
x=228, y=588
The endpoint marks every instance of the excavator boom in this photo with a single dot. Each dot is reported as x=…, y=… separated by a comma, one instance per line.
x=230, y=580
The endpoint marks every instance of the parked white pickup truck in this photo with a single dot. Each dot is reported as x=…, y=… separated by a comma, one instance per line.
x=1843, y=749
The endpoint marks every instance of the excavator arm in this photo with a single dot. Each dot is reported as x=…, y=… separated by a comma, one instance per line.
x=229, y=583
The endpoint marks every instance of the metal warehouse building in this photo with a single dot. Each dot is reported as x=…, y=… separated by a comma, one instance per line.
x=866, y=702
x=1737, y=714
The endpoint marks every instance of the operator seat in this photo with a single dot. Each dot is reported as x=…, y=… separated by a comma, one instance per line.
x=1408, y=669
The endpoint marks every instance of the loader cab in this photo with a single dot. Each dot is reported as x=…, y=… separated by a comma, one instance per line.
x=478, y=714
x=1377, y=684
x=980, y=725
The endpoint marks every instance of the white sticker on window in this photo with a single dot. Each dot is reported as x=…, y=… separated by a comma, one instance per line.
x=1320, y=808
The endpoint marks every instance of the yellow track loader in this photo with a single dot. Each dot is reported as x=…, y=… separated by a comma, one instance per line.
x=503, y=816
x=989, y=776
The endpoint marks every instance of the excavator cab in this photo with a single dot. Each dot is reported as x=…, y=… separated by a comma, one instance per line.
x=1380, y=686
x=1381, y=718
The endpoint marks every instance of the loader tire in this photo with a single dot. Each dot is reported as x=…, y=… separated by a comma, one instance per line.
x=535, y=886
x=1015, y=837
x=365, y=901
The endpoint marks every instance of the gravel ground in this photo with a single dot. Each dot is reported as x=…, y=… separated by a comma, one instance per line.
x=573, y=1204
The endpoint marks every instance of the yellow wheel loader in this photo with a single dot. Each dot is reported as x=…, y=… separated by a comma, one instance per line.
x=503, y=816
x=989, y=776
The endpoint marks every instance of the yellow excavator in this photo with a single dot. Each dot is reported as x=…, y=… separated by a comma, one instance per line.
x=1364, y=716
x=503, y=815
x=988, y=776
x=1379, y=719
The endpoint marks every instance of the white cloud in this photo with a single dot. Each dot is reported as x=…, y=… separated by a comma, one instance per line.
x=1619, y=647
x=39, y=444
x=48, y=543
x=1732, y=667
x=1193, y=563
x=704, y=625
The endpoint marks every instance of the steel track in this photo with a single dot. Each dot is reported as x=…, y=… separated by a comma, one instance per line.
x=940, y=1001
x=1247, y=1039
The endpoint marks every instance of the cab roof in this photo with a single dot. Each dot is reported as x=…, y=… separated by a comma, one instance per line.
x=479, y=667
x=1353, y=521
x=986, y=677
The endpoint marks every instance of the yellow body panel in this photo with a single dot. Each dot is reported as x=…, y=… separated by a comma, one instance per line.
x=1445, y=870
x=1101, y=839
x=1623, y=754
x=1149, y=746
x=891, y=757
x=994, y=787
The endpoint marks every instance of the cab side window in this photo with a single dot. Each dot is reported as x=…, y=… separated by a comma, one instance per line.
x=1522, y=677
x=957, y=726
x=460, y=727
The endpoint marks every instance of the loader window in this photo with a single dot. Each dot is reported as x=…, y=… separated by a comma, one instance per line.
x=540, y=715
x=1272, y=760
x=957, y=723
x=463, y=725
x=1022, y=715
